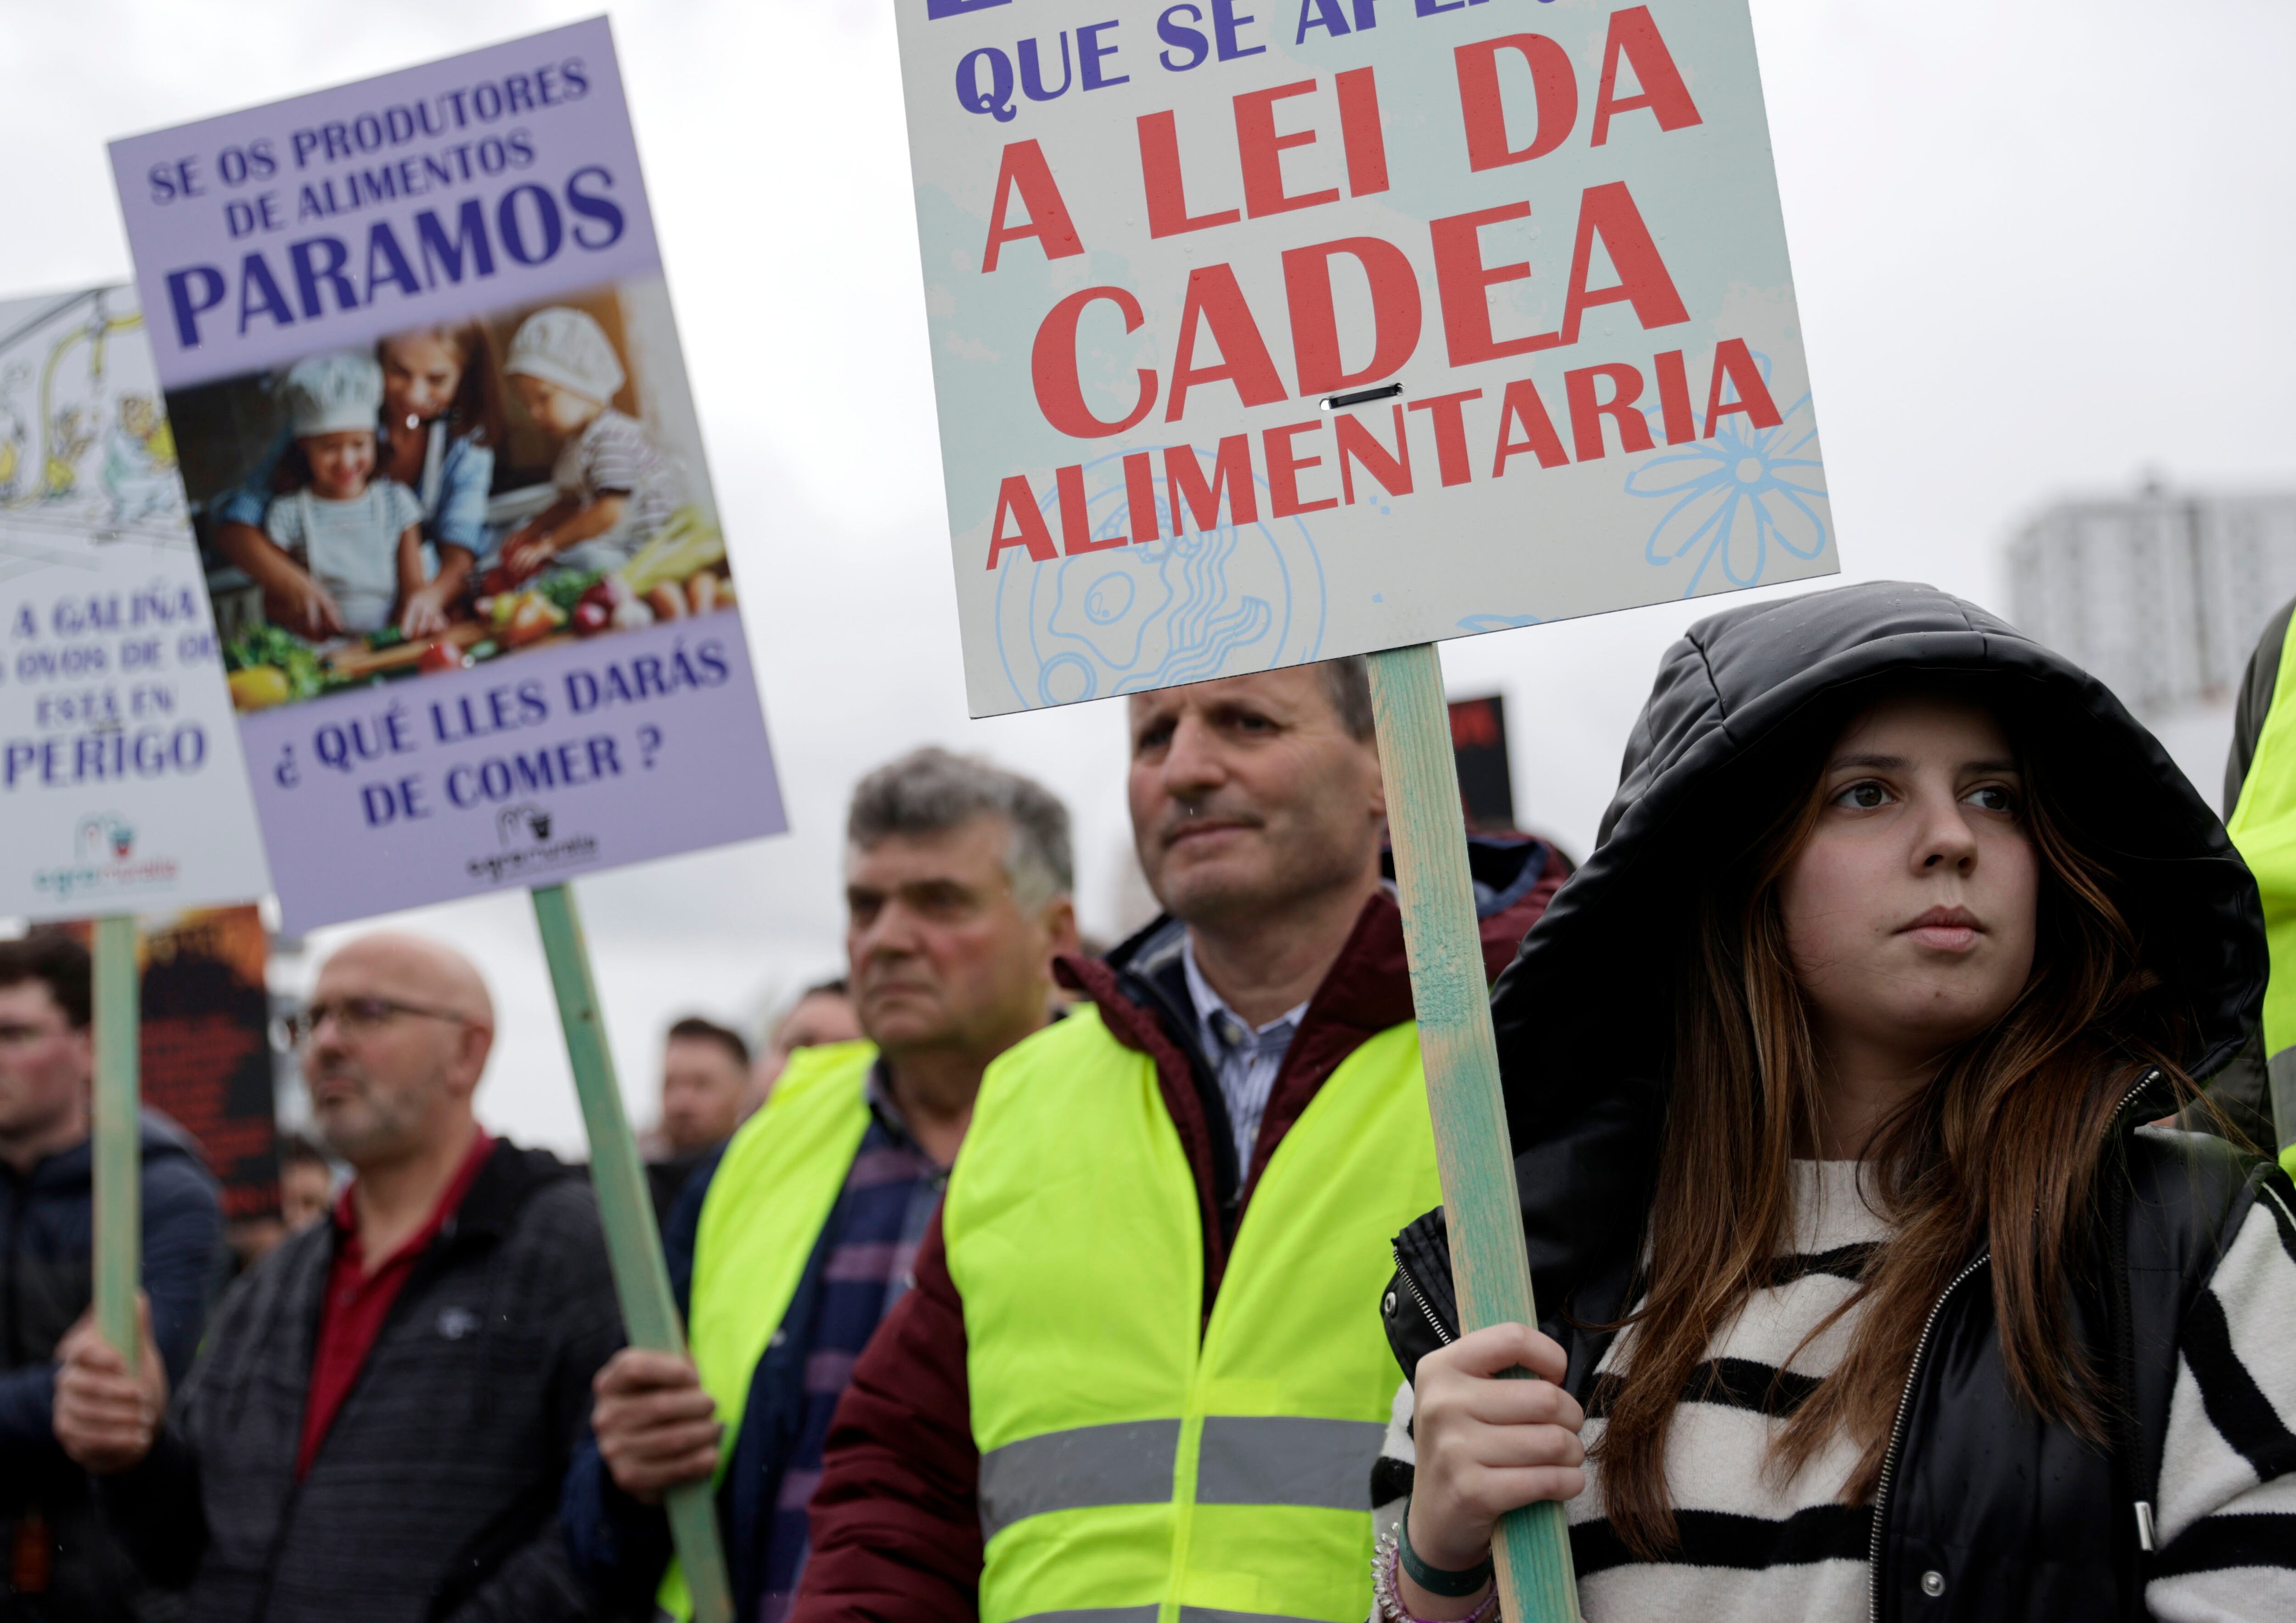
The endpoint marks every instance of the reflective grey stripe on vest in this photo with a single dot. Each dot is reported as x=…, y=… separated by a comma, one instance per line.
x=1283, y=1459
x=1242, y=1460
x=1129, y=1463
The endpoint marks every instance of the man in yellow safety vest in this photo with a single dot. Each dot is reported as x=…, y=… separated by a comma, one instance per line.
x=1142, y=1375
x=2258, y=1090
x=789, y=1248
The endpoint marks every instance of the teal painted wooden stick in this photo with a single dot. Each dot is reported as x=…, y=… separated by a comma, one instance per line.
x=117, y=1134
x=633, y=1243
x=1490, y=1267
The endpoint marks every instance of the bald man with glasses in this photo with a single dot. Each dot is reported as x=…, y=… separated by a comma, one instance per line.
x=380, y=1418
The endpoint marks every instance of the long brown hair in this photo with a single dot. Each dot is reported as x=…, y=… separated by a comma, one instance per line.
x=2002, y=1149
x=476, y=412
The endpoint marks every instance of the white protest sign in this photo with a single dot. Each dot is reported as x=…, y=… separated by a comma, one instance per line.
x=121, y=785
x=1271, y=330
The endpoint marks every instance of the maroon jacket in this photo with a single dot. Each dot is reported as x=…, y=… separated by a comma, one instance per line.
x=897, y=1518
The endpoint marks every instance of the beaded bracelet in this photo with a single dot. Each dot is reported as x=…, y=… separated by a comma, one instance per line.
x=1387, y=1586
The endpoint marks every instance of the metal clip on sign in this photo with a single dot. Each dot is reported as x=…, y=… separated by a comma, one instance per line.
x=1491, y=1269
x=633, y=1242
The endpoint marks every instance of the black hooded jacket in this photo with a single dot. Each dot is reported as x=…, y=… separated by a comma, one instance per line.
x=2021, y=1518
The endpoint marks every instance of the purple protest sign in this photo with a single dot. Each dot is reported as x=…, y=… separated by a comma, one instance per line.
x=352, y=213
x=433, y=419
x=584, y=756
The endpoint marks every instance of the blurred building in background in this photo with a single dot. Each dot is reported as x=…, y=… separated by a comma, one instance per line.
x=2162, y=594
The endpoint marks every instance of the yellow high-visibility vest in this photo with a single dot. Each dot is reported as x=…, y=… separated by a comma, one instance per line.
x=1137, y=1462
x=2263, y=826
x=760, y=1220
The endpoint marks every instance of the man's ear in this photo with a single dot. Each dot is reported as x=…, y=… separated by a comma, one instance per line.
x=1060, y=927
x=1378, y=779
x=477, y=1043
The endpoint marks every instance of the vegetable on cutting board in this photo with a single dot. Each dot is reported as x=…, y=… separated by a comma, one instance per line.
x=259, y=687
x=687, y=543
x=535, y=617
x=277, y=648
x=566, y=587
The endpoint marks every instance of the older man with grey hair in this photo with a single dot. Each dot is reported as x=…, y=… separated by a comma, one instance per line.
x=789, y=1249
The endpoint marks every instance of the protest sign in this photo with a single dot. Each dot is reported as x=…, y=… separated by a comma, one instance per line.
x=1479, y=751
x=1334, y=327
x=1268, y=331
x=435, y=422
x=120, y=768
x=435, y=425
x=204, y=1054
x=119, y=762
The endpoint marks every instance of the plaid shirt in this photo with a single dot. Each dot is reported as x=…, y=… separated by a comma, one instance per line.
x=869, y=1244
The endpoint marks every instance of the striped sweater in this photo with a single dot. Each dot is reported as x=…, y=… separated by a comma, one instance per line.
x=1757, y=1548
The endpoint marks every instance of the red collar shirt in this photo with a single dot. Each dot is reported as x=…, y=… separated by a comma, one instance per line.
x=357, y=1302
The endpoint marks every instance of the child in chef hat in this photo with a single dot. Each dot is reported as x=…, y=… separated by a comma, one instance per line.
x=360, y=538
x=615, y=488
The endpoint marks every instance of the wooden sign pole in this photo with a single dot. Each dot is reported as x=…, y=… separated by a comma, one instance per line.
x=118, y=1131
x=1490, y=1267
x=633, y=1242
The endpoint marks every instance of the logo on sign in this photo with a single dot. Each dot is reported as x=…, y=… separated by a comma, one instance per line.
x=104, y=853
x=525, y=822
x=106, y=834
x=524, y=832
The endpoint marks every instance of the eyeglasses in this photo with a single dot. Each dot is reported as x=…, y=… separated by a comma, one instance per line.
x=358, y=1016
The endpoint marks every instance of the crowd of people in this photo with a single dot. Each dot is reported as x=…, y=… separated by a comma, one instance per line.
x=1892, y=1094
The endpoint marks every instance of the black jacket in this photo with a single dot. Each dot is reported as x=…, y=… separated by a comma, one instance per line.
x=435, y=1492
x=2021, y=1518
x=46, y=1278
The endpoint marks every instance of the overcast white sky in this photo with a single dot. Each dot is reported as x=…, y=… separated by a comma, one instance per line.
x=2041, y=247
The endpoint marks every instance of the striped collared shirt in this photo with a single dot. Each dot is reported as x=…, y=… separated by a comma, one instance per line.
x=1243, y=1057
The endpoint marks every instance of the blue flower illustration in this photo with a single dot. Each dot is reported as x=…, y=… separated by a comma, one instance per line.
x=1737, y=495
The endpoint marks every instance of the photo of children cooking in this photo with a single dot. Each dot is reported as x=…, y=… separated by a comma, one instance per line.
x=451, y=495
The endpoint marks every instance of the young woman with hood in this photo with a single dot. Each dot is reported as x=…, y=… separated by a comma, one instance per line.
x=1868, y=1290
